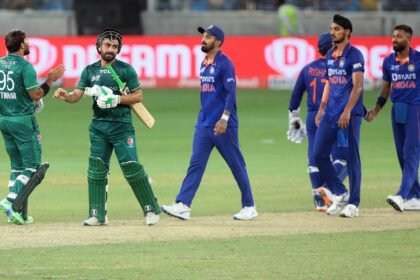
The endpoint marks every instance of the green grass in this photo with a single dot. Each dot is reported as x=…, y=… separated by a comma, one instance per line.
x=277, y=170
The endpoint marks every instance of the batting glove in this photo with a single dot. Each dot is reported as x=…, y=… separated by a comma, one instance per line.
x=94, y=91
x=39, y=106
x=108, y=101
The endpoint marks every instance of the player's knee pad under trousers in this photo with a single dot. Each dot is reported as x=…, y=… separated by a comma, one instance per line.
x=136, y=176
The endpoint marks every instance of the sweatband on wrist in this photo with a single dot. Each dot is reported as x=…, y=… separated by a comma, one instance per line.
x=381, y=101
x=45, y=88
x=225, y=117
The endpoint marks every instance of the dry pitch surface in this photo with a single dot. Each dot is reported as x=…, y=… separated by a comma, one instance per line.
x=267, y=224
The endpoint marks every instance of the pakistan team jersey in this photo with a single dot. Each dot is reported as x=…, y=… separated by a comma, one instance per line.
x=95, y=74
x=404, y=77
x=340, y=78
x=17, y=78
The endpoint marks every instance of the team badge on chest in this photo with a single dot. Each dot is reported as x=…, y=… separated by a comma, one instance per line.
x=341, y=62
x=211, y=70
x=411, y=67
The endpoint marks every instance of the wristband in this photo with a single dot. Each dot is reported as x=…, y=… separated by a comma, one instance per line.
x=225, y=117
x=45, y=88
x=380, y=101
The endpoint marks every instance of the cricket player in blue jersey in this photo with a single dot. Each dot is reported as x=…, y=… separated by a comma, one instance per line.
x=312, y=80
x=401, y=81
x=340, y=116
x=217, y=126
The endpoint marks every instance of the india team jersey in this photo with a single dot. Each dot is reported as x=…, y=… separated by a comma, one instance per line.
x=95, y=74
x=405, y=86
x=217, y=91
x=339, y=73
x=312, y=80
x=17, y=78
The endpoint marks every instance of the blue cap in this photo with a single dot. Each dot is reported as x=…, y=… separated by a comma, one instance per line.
x=214, y=31
x=325, y=42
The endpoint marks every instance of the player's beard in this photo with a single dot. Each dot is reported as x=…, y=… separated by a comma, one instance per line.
x=207, y=48
x=337, y=41
x=108, y=57
x=398, y=47
x=26, y=50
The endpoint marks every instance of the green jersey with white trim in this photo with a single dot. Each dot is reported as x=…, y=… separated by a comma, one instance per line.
x=17, y=79
x=95, y=74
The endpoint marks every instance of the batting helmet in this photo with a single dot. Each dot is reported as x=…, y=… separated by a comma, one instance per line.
x=111, y=34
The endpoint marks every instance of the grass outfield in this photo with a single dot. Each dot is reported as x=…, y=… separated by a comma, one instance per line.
x=277, y=170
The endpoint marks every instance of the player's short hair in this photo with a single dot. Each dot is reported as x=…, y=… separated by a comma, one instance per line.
x=14, y=39
x=407, y=29
x=112, y=34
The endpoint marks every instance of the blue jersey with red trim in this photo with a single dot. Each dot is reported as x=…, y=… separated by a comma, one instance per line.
x=312, y=80
x=217, y=91
x=339, y=72
x=405, y=86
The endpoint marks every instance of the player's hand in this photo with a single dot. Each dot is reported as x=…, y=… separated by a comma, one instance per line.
x=318, y=117
x=61, y=94
x=371, y=115
x=108, y=101
x=39, y=106
x=56, y=73
x=297, y=130
x=343, y=121
x=94, y=91
x=220, y=127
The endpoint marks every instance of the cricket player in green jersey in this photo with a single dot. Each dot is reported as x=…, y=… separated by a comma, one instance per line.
x=20, y=98
x=111, y=129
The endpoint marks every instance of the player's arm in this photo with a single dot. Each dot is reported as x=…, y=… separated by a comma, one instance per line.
x=323, y=104
x=69, y=97
x=53, y=75
x=229, y=84
x=380, y=101
x=132, y=98
x=355, y=94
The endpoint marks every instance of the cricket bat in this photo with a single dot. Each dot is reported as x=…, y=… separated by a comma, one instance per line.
x=142, y=113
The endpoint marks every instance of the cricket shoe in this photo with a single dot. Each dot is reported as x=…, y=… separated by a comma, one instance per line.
x=178, y=210
x=13, y=217
x=338, y=204
x=326, y=195
x=152, y=218
x=320, y=204
x=349, y=211
x=246, y=213
x=29, y=220
x=412, y=204
x=396, y=201
x=93, y=221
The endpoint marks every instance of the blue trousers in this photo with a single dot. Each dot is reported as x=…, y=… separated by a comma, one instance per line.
x=337, y=154
x=228, y=146
x=407, y=143
x=325, y=139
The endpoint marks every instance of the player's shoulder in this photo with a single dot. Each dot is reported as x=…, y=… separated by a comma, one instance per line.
x=353, y=50
x=224, y=59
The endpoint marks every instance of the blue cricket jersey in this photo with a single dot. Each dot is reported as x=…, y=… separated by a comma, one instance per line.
x=217, y=91
x=312, y=80
x=405, y=86
x=340, y=70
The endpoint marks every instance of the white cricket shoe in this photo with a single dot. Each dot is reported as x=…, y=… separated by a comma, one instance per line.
x=396, y=201
x=349, y=211
x=246, y=213
x=93, y=221
x=412, y=204
x=338, y=204
x=178, y=210
x=152, y=218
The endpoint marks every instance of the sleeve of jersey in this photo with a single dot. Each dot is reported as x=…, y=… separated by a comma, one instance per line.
x=84, y=80
x=132, y=79
x=357, y=62
x=385, y=74
x=29, y=78
x=229, y=84
x=298, y=91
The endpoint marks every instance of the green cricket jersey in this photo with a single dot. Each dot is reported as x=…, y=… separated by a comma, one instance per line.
x=17, y=78
x=95, y=74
